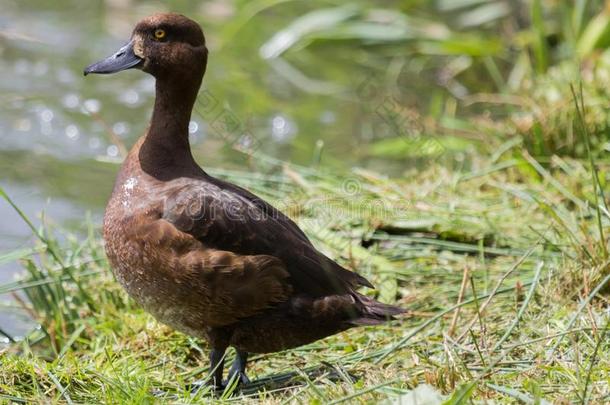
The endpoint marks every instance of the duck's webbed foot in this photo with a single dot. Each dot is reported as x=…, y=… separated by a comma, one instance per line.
x=238, y=369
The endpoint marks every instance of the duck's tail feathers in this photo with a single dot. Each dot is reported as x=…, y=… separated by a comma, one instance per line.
x=375, y=312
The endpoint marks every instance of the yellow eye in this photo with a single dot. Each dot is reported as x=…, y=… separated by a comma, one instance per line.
x=159, y=34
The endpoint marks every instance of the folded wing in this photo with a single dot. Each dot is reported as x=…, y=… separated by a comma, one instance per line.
x=227, y=218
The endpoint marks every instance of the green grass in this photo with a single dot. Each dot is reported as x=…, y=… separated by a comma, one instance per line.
x=503, y=267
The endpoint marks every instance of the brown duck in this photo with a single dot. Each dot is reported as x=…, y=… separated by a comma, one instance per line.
x=203, y=255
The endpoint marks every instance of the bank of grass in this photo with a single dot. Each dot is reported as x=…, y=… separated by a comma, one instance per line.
x=504, y=269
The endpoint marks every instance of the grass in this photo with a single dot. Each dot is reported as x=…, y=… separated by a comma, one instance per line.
x=503, y=268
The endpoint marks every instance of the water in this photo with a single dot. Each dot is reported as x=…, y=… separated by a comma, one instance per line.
x=56, y=151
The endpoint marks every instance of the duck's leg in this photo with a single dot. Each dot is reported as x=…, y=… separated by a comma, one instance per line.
x=238, y=368
x=217, y=361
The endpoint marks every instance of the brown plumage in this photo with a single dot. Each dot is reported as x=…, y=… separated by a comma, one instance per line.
x=205, y=256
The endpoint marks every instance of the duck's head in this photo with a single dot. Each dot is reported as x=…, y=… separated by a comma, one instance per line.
x=164, y=45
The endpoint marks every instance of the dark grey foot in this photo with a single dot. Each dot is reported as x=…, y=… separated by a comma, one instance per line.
x=237, y=372
x=242, y=379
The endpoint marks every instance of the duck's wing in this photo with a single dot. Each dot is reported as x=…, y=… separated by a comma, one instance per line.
x=225, y=217
x=263, y=206
x=221, y=286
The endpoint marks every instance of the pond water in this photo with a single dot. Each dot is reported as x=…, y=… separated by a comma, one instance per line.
x=61, y=134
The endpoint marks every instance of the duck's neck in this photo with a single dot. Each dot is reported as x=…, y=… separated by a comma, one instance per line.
x=165, y=149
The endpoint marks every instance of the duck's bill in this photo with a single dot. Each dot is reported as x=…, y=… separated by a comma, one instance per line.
x=123, y=59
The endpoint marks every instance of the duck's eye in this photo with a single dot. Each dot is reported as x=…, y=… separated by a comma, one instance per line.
x=159, y=34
